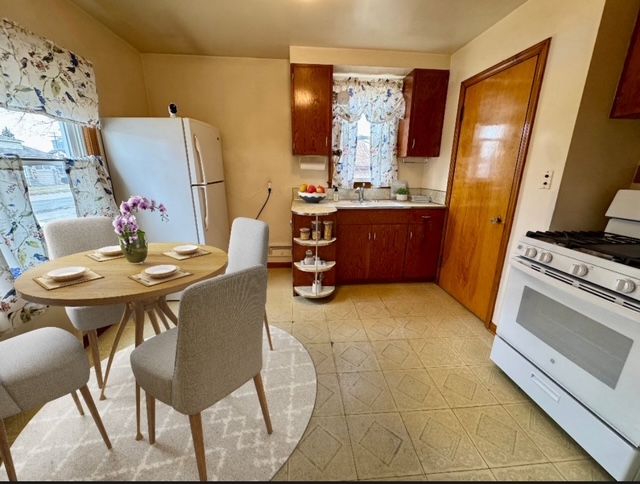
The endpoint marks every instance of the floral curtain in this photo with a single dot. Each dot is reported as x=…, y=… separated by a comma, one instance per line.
x=91, y=187
x=40, y=77
x=22, y=242
x=381, y=102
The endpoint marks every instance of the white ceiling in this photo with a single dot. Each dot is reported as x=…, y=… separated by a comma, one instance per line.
x=266, y=28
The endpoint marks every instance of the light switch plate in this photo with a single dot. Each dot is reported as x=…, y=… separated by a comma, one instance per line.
x=546, y=179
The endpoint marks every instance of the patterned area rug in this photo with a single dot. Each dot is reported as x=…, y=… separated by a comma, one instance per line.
x=59, y=444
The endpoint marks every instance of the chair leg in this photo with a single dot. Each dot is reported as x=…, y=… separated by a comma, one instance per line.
x=114, y=347
x=5, y=453
x=198, y=444
x=257, y=380
x=151, y=417
x=76, y=400
x=266, y=326
x=88, y=399
x=95, y=354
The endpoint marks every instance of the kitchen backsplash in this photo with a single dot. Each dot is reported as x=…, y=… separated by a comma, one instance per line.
x=435, y=196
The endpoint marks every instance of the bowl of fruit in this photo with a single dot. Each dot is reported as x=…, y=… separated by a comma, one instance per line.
x=312, y=193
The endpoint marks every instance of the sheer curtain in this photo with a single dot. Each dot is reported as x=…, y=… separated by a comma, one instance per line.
x=382, y=103
x=91, y=187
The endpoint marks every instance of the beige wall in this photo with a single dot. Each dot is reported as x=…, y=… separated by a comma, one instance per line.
x=248, y=100
x=572, y=25
x=604, y=152
x=118, y=66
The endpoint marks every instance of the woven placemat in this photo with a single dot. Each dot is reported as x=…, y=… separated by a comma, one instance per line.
x=174, y=255
x=50, y=284
x=97, y=256
x=145, y=280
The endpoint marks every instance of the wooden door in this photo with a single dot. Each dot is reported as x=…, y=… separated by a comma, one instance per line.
x=495, y=116
x=388, y=246
x=423, y=247
x=353, y=253
x=311, y=109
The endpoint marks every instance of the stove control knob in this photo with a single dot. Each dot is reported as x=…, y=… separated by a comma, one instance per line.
x=546, y=257
x=625, y=286
x=530, y=252
x=579, y=270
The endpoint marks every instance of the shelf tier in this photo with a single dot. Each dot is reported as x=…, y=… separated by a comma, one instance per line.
x=313, y=243
x=305, y=291
x=313, y=268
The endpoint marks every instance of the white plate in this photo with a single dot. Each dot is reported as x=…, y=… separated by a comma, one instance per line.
x=161, y=271
x=186, y=249
x=110, y=250
x=67, y=273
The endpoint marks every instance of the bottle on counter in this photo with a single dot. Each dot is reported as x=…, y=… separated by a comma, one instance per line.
x=336, y=196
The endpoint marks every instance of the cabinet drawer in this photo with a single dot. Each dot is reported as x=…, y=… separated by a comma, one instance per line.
x=418, y=215
x=373, y=216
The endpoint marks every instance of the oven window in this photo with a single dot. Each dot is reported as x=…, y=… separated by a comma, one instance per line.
x=592, y=346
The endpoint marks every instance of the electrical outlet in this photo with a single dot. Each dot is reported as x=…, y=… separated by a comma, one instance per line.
x=545, y=180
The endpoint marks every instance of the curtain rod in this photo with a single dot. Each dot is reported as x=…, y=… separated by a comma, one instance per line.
x=344, y=75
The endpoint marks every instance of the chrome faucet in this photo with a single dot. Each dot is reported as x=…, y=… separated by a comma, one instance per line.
x=360, y=191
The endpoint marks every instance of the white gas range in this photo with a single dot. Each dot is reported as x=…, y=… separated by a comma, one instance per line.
x=569, y=332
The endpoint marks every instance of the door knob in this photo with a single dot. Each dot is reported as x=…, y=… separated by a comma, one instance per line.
x=496, y=221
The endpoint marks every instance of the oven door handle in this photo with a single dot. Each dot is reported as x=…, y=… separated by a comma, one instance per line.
x=545, y=388
x=585, y=296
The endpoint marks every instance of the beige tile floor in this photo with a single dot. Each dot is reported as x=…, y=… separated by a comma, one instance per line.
x=406, y=391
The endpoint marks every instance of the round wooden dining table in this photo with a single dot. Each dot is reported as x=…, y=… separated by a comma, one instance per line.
x=117, y=287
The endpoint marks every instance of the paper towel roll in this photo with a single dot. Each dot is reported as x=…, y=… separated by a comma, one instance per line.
x=314, y=163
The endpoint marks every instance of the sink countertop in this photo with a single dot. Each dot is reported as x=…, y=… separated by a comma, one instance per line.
x=301, y=207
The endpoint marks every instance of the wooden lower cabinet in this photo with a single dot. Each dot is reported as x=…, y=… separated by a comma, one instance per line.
x=387, y=252
x=388, y=245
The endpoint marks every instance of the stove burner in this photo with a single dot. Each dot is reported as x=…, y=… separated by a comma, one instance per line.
x=614, y=247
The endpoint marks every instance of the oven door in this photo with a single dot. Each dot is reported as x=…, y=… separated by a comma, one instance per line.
x=588, y=345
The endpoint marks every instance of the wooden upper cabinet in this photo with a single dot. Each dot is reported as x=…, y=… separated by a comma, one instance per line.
x=627, y=101
x=425, y=95
x=311, y=87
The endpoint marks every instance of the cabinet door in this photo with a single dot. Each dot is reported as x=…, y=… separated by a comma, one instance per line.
x=627, y=101
x=311, y=87
x=425, y=94
x=387, y=252
x=423, y=247
x=353, y=253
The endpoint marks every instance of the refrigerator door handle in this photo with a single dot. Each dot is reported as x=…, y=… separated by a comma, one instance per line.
x=196, y=144
x=203, y=188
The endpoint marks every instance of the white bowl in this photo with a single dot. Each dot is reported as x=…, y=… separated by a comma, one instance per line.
x=67, y=273
x=161, y=271
x=110, y=250
x=186, y=249
x=312, y=197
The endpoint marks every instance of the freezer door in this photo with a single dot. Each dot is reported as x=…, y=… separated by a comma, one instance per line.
x=204, y=152
x=211, y=215
x=147, y=156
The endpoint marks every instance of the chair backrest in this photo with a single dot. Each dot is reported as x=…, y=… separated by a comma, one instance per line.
x=248, y=245
x=219, y=345
x=65, y=237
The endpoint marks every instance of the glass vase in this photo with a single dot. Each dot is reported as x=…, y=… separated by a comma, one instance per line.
x=135, y=251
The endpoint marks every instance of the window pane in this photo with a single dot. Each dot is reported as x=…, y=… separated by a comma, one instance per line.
x=40, y=138
x=363, y=151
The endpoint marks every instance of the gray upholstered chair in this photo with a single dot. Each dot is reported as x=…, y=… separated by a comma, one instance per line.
x=249, y=246
x=216, y=348
x=65, y=237
x=35, y=368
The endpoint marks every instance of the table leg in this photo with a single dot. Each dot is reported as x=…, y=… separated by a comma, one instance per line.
x=153, y=319
x=139, y=312
x=114, y=347
x=163, y=318
x=162, y=304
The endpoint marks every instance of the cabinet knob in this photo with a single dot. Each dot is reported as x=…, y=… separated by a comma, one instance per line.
x=326, y=141
x=413, y=143
x=410, y=235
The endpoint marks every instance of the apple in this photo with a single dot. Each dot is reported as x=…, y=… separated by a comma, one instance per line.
x=311, y=189
x=303, y=187
x=320, y=189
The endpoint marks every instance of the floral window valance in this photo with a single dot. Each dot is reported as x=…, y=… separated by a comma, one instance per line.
x=380, y=100
x=40, y=77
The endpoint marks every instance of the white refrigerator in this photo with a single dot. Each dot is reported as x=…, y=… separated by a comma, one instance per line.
x=175, y=161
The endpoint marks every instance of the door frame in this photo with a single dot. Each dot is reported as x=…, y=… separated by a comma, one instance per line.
x=541, y=50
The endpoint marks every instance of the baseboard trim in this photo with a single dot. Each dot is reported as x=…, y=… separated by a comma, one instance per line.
x=492, y=327
x=278, y=265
